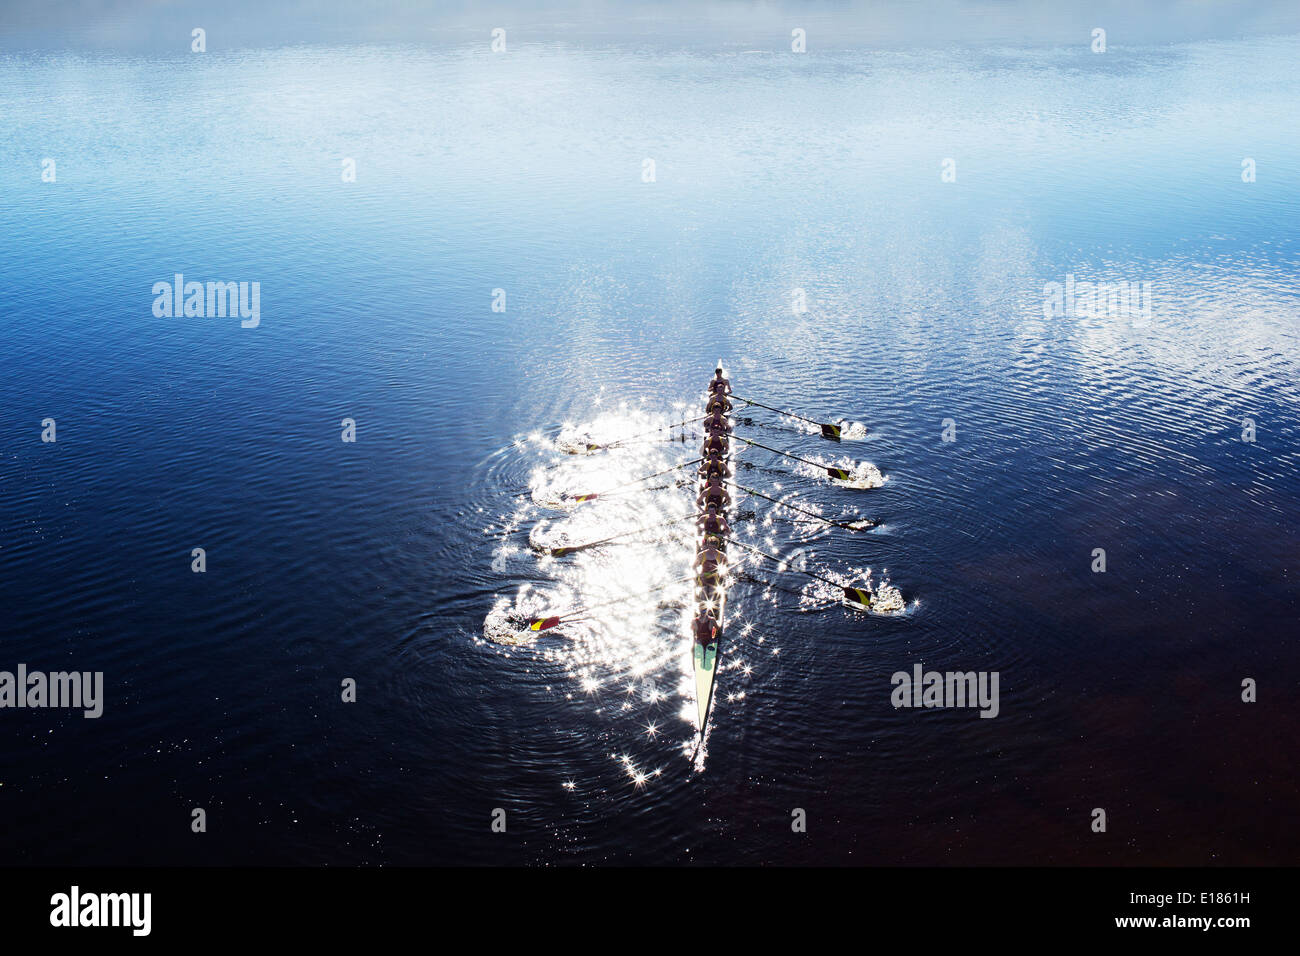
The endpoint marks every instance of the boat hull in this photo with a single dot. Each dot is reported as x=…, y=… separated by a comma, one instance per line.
x=705, y=661
x=704, y=657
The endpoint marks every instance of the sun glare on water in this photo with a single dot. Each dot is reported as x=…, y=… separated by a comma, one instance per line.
x=606, y=536
x=625, y=602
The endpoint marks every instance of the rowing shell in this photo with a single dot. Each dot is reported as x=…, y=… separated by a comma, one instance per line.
x=704, y=657
x=705, y=660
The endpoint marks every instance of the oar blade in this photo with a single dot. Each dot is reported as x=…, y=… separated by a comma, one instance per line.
x=831, y=432
x=543, y=623
x=838, y=473
x=858, y=596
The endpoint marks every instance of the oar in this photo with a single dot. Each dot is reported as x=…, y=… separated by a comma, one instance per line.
x=847, y=525
x=830, y=432
x=546, y=623
x=839, y=473
x=571, y=549
x=662, y=428
x=627, y=484
x=854, y=595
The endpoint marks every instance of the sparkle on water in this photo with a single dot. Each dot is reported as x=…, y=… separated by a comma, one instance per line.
x=628, y=604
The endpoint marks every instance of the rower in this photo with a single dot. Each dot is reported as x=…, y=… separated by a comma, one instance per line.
x=717, y=422
x=713, y=523
x=716, y=445
x=709, y=564
x=718, y=401
x=719, y=383
x=714, y=465
x=713, y=491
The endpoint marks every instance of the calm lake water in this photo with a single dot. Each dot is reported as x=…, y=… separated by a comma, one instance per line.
x=381, y=560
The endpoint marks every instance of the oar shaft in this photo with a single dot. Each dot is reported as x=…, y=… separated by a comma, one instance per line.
x=772, y=557
x=622, y=534
x=779, y=452
x=783, y=504
x=659, y=474
x=637, y=481
x=858, y=525
x=829, y=431
x=779, y=411
x=557, y=619
x=661, y=428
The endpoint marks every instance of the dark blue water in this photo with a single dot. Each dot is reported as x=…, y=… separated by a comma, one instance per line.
x=380, y=560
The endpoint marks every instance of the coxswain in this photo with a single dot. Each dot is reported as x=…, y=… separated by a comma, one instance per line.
x=705, y=627
x=719, y=383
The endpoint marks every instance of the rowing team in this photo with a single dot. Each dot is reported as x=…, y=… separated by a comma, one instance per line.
x=712, y=504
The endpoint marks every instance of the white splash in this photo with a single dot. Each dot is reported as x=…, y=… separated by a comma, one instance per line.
x=852, y=431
